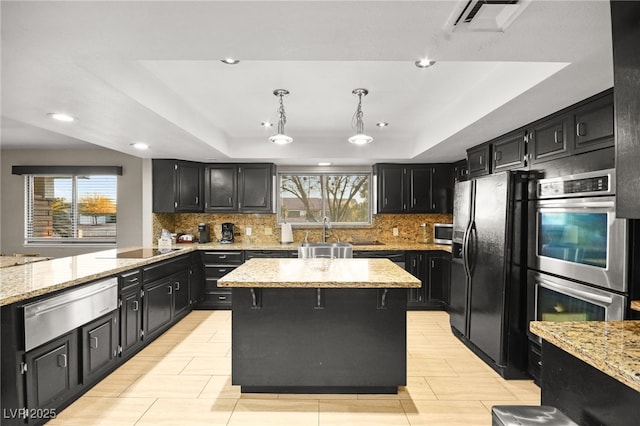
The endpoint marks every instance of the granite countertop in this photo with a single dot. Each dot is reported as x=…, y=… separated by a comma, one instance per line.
x=612, y=347
x=635, y=305
x=311, y=273
x=8, y=261
x=392, y=246
x=33, y=279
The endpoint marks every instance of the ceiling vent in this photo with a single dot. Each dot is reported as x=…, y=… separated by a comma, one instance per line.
x=485, y=15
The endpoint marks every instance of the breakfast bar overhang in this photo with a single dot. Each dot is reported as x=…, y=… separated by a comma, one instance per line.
x=319, y=326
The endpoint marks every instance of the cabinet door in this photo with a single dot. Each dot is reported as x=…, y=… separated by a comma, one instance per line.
x=550, y=139
x=391, y=189
x=196, y=284
x=158, y=301
x=442, y=182
x=180, y=292
x=593, y=125
x=419, y=186
x=439, y=276
x=479, y=160
x=189, y=185
x=99, y=346
x=461, y=170
x=52, y=372
x=255, y=187
x=416, y=267
x=509, y=152
x=221, y=187
x=130, y=320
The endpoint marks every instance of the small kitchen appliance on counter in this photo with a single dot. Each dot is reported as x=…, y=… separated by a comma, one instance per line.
x=203, y=231
x=227, y=232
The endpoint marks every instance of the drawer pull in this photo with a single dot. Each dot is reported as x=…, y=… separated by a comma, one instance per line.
x=136, y=306
x=581, y=129
x=557, y=136
x=94, y=343
x=62, y=360
x=222, y=297
x=223, y=256
x=177, y=283
x=170, y=289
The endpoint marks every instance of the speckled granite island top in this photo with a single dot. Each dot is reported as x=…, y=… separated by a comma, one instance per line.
x=9, y=261
x=307, y=273
x=612, y=347
x=387, y=246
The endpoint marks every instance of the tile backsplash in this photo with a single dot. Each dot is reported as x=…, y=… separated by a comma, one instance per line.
x=264, y=228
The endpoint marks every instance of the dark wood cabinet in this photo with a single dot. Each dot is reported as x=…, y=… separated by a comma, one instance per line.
x=196, y=279
x=625, y=16
x=415, y=188
x=550, y=139
x=216, y=265
x=158, y=304
x=243, y=188
x=479, y=160
x=221, y=183
x=180, y=293
x=415, y=265
x=99, y=346
x=130, y=320
x=439, y=277
x=461, y=170
x=52, y=372
x=433, y=269
x=255, y=188
x=593, y=125
x=177, y=186
x=509, y=152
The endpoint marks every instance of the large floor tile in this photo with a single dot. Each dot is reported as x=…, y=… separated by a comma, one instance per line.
x=446, y=413
x=154, y=365
x=101, y=411
x=264, y=412
x=365, y=413
x=161, y=386
x=220, y=387
x=113, y=385
x=468, y=389
x=208, y=365
x=187, y=412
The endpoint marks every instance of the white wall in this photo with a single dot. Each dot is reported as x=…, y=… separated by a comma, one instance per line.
x=134, y=197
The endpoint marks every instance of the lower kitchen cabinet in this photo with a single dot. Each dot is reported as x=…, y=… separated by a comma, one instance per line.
x=439, y=274
x=180, y=293
x=433, y=269
x=99, y=346
x=130, y=320
x=52, y=372
x=216, y=265
x=415, y=266
x=158, y=303
x=196, y=281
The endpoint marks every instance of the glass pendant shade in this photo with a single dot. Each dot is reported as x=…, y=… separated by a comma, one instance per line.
x=360, y=138
x=280, y=139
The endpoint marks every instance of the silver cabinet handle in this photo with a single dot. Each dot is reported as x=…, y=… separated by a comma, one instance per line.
x=229, y=200
x=62, y=360
x=94, y=343
x=222, y=297
x=170, y=289
x=136, y=305
x=177, y=283
x=481, y=160
x=557, y=136
x=196, y=200
x=581, y=129
x=222, y=256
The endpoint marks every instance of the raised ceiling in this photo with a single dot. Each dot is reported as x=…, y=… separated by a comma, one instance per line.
x=151, y=71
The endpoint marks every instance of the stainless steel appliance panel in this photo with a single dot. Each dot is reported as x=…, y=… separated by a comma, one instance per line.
x=52, y=317
x=580, y=239
x=442, y=233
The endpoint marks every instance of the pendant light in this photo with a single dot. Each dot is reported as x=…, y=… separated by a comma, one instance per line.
x=360, y=138
x=281, y=138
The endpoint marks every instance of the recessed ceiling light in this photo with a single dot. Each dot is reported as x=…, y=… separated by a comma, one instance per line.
x=324, y=163
x=424, y=63
x=382, y=124
x=140, y=145
x=61, y=117
x=266, y=124
x=230, y=61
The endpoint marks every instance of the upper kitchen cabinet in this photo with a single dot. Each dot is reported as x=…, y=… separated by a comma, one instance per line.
x=415, y=188
x=593, y=124
x=479, y=160
x=625, y=16
x=255, y=188
x=221, y=183
x=177, y=186
x=244, y=188
x=550, y=139
x=509, y=152
x=461, y=170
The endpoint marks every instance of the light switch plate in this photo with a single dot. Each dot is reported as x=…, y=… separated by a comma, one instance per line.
x=395, y=232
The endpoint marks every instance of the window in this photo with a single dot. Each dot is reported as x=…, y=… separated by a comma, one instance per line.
x=305, y=198
x=70, y=209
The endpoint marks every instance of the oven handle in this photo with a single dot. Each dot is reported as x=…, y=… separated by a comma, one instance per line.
x=576, y=203
x=571, y=291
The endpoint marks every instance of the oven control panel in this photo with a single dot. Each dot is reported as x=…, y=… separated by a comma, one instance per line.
x=593, y=183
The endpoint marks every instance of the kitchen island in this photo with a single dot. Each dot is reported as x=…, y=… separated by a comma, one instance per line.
x=319, y=326
x=591, y=370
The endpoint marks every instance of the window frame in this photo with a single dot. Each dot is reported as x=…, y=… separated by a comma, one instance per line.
x=323, y=174
x=65, y=241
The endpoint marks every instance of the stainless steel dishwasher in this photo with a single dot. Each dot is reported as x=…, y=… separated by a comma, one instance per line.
x=49, y=318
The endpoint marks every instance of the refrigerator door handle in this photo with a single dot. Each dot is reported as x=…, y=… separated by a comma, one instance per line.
x=465, y=251
x=470, y=248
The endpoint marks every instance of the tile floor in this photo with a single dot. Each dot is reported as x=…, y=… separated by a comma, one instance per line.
x=183, y=378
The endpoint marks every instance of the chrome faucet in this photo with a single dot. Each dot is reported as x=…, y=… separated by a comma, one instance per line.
x=326, y=225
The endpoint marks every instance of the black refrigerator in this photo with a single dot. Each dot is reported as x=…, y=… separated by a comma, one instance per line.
x=488, y=270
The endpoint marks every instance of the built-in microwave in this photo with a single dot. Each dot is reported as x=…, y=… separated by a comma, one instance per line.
x=442, y=233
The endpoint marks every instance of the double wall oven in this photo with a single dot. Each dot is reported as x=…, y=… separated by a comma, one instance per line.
x=577, y=254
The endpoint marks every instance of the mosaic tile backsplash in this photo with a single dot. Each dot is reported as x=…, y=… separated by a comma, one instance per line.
x=264, y=228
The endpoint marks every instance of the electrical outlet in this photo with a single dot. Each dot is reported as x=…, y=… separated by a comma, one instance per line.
x=247, y=231
x=268, y=230
x=395, y=231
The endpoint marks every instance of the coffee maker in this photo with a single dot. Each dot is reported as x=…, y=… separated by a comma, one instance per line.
x=227, y=232
x=203, y=230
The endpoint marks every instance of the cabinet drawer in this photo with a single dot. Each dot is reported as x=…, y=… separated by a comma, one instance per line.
x=130, y=279
x=163, y=269
x=217, y=271
x=223, y=257
x=218, y=298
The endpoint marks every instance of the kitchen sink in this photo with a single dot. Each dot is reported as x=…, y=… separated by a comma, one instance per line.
x=367, y=243
x=325, y=250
